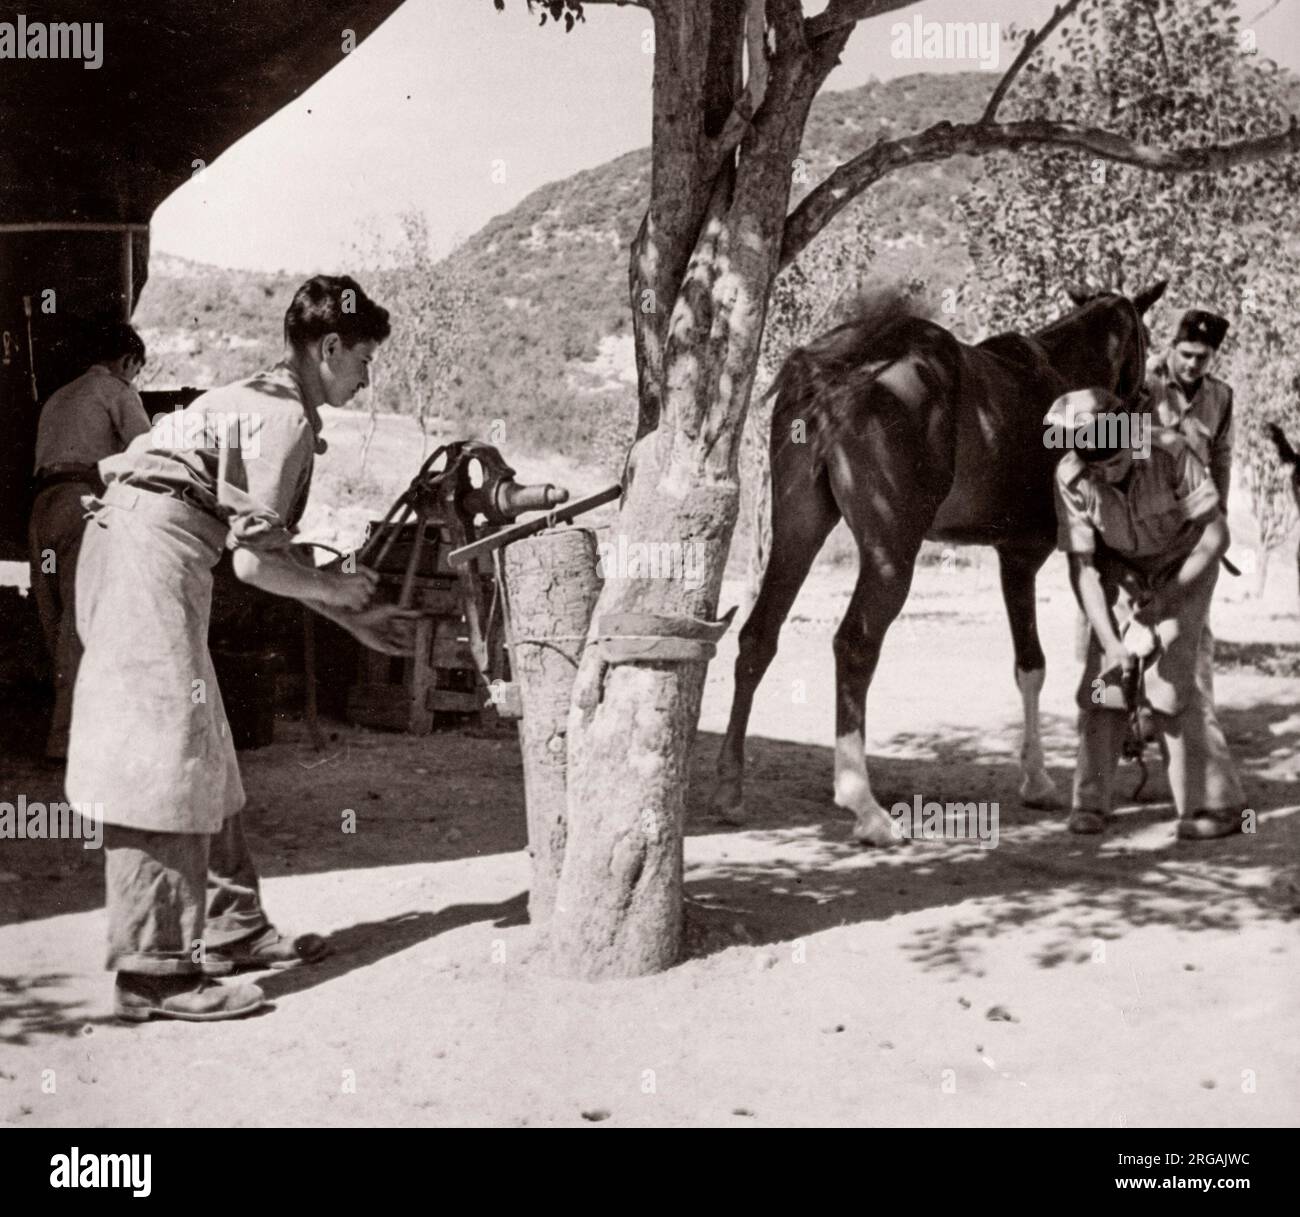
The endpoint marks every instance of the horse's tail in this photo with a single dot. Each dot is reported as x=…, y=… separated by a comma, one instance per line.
x=822, y=385
x=1284, y=450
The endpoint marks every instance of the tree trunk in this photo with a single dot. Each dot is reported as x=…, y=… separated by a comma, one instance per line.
x=552, y=584
x=632, y=727
x=702, y=268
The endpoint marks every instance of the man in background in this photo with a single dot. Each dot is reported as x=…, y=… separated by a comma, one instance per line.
x=93, y=417
x=1187, y=398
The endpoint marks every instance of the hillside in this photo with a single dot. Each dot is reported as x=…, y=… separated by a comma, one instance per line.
x=551, y=356
x=547, y=358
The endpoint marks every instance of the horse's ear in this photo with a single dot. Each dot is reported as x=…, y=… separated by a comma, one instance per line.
x=1079, y=293
x=1149, y=295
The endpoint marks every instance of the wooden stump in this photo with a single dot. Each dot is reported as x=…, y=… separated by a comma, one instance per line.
x=552, y=586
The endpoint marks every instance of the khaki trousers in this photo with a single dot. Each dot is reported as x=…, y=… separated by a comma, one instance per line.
x=172, y=895
x=1179, y=687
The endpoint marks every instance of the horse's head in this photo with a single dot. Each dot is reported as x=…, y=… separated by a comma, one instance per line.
x=1103, y=342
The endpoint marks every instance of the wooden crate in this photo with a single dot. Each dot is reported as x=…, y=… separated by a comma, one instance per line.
x=398, y=694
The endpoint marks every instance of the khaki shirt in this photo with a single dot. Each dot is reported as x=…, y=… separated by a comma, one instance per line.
x=1153, y=522
x=1204, y=420
x=90, y=418
x=183, y=455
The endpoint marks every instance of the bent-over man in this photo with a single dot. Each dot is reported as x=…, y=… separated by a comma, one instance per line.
x=1144, y=539
x=150, y=743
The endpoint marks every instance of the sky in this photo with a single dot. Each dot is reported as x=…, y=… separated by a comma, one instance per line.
x=459, y=111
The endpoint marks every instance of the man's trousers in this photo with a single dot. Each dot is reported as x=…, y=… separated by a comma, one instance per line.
x=171, y=896
x=1180, y=690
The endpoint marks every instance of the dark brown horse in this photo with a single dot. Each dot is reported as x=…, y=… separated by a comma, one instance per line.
x=892, y=423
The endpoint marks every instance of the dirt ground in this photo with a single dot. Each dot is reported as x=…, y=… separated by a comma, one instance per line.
x=1123, y=981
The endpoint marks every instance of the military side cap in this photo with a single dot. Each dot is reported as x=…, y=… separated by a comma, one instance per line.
x=1078, y=409
x=1199, y=326
x=1080, y=415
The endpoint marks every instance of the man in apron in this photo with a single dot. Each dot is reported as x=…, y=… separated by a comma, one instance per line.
x=1144, y=538
x=150, y=747
x=94, y=416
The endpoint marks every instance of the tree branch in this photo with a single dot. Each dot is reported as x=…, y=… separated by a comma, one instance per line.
x=1159, y=37
x=1032, y=43
x=944, y=140
x=733, y=130
x=840, y=13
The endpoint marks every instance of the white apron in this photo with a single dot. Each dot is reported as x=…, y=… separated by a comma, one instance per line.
x=149, y=741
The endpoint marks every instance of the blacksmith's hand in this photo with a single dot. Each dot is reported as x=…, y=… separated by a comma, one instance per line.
x=385, y=628
x=351, y=592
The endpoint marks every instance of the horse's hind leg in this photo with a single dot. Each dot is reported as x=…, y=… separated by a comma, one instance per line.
x=1019, y=566
x=887, y=557
x=803, y=514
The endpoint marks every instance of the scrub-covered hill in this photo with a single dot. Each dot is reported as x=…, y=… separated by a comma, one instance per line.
x=549, y=349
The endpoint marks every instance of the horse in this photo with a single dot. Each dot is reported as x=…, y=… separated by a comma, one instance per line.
x=892, y=423
x=1291, y=458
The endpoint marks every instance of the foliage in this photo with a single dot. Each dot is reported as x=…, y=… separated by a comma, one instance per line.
x=434, y=312
x=1162, y=72
x=548, y=281
x=570, y=11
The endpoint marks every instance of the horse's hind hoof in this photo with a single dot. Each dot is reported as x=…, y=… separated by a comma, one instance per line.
x=729, y=807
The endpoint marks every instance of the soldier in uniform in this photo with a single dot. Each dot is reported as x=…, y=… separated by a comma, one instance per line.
x=1144, y=538
x=1186, y=398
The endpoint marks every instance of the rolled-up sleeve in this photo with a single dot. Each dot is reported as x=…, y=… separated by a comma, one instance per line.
x=128, y=414
x=278, y=451
x=261, y=481
x=1075, y=532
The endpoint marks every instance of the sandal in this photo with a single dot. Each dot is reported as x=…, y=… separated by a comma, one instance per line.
x=269, y=949
x=1209, y=825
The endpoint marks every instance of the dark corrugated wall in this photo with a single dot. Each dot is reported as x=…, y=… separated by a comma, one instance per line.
x=86, y=155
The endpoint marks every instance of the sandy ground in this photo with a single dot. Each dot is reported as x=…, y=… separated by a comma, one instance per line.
x=1129, y=981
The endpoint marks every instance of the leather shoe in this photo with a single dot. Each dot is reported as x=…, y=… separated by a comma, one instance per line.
x=1086, y=822
x=269, y=949
x=1209, y=825
x=138, y=998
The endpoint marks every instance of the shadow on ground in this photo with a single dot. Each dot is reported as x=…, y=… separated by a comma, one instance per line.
x=785, y=885
x=27, y=1010
x=794, y=870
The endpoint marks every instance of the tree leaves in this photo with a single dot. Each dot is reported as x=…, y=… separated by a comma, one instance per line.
x=1165, y=72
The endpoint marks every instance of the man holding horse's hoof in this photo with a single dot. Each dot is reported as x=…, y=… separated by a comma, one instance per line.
x=1144, y=531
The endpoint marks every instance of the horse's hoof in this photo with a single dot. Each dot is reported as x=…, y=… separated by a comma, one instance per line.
x=876, y=834
x=1040, y=796
x=729, y=807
